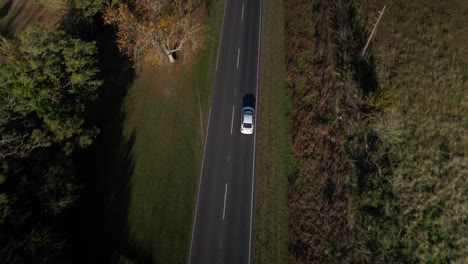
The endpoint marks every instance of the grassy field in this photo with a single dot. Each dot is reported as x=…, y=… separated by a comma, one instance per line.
x=420, y=118
x=273, y=161
x=163, y=116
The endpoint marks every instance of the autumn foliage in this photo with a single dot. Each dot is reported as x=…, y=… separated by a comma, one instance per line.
x=158, y=31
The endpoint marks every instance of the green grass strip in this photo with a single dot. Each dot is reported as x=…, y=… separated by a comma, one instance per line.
x=273, y=142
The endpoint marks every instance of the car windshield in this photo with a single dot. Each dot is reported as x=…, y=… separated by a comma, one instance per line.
x=246, y=125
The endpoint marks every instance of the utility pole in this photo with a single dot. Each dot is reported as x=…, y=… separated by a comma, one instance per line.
x=373, y=31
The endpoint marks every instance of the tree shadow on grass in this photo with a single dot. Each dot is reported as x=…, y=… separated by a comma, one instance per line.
x=8, y=17
x=5, y=8
x=98, y=223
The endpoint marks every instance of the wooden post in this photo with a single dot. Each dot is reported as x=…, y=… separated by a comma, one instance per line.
x=373, y=31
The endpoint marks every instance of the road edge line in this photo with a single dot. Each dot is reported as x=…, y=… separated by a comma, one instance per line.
x=199, y=187
x=255, y=138
x=206, y=139
x=221, y=36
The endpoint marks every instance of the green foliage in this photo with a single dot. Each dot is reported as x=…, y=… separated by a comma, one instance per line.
x=57, y=192
x=47, y=79
x=38, y=192
x=89, y=7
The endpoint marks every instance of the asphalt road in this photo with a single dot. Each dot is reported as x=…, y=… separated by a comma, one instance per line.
x=222, y=229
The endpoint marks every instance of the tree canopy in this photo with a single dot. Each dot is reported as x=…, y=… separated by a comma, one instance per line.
x=47, y=80
x=153, y=31
x=88, y=7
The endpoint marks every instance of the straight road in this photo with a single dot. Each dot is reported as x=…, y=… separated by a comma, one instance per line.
x=222, y=228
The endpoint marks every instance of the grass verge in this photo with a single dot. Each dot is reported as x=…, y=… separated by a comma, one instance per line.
x=273, y=160
x=163, y=112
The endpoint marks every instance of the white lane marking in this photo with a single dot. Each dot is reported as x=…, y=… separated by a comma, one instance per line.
x=224, y=208
x=217, y=60
x=232, y=118
x=199, y=186
x=238, y=53
x=255, y=136
x=242, y=17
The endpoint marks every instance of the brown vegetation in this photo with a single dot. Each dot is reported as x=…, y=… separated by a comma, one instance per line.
x=320, y=55
x=154, y=31
x=381, y=165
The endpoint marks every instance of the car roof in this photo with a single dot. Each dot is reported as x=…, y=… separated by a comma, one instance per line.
x=247, y=112
x=247, y=118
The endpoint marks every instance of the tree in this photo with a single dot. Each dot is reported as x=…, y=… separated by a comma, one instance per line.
x=154, y=30
x=47, y=79
x=88, y=7
x=38, y=192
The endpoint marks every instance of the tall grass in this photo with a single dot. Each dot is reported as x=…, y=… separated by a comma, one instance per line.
x=420, y=120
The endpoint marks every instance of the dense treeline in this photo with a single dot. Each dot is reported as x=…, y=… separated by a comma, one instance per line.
x=48, y=80
x=380, y=146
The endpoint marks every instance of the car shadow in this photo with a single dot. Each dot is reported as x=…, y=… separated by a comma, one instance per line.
x=248, y=100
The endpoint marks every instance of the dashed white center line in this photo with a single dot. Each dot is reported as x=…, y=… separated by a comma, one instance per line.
x=242, y=17
x=232, y=118
x=238, y=53
x=224, y=208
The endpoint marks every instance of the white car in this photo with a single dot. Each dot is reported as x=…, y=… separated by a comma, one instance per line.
x=247, y=120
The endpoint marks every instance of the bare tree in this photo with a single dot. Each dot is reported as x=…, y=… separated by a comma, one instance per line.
x=154, y=30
